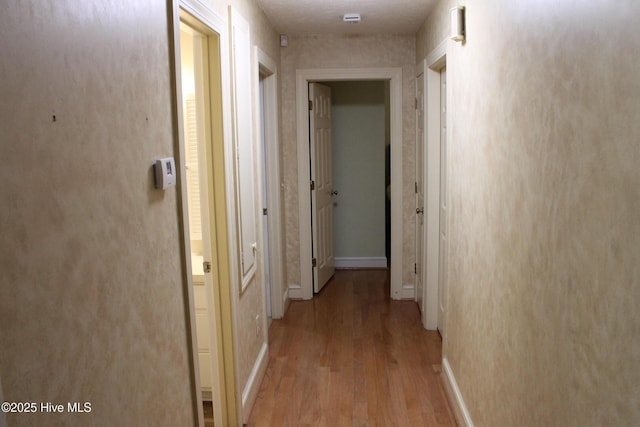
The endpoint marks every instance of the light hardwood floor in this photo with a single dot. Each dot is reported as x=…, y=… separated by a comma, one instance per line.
x=352, y=357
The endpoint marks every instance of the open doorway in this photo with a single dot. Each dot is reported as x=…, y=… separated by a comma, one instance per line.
x=201, y=165
x=394, y=77
x=346, y=145
x=361, y=179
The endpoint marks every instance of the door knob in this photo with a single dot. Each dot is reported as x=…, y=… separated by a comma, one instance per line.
x=419, y=210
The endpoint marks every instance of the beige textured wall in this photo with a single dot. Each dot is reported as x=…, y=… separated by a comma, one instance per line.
x=544, y=283
x=91, y=287
x=434, y=29
x=334, y=51
x=262, y=32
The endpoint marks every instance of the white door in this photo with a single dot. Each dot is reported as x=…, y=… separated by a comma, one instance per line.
x=419, y=189
x=442, y=275
x=322, y=184
x=265, y=219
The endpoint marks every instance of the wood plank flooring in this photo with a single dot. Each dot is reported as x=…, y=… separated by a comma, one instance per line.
x=352, y=357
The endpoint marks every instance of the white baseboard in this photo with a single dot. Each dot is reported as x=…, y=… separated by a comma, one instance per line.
x=455, y=397
x=295, y=292
x=408, y=291
x=285, y=302
x=250, y=392
x=361, y=262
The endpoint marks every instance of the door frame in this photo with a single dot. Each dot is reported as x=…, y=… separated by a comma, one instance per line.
x=420, y=165
x=303, y=78
x=222, y=310
x=432, y=65
x=275, y=262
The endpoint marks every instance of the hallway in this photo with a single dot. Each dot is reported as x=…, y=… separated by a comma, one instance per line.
x=352, y=357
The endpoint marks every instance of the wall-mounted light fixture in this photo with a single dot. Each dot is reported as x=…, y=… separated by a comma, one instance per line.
x=457, y=24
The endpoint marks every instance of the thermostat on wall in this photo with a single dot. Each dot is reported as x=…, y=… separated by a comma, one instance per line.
x=165, y=170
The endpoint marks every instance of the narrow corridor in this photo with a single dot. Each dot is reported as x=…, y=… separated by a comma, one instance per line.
x=352, y=357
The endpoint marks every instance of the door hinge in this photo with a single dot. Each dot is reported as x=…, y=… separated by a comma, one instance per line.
x=310, y=105
x=415, y=268
x=416, y=185
x=416, y=103
x=313, y=185
x=264, y=211
x=314, y=262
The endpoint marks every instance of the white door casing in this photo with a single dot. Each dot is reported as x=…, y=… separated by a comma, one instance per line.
x=442, y=267
x=432, y=65
x=274, y=260
x=266, y=268
x=304, y=289
x=320, y=147
x=419, y=189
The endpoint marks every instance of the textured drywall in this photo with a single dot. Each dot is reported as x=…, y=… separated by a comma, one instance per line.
x=435, y=28
x=358, y=132
x=92, y=302
x=544, y=283
x=263, y=34
x=335, y=51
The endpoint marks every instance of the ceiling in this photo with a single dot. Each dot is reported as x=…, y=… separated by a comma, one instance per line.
x=325, y=16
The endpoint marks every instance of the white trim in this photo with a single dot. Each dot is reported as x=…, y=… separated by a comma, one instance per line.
x=204, y=14
x=407, y=291
x=268, y=67
x=432, y=65
x=250, y=392
x=286, y=300
x=361, y=262
x=232, y=241
x=420, y=241
x=455, y=396
x=303, y=77
x=295, y=291
x=437, y=55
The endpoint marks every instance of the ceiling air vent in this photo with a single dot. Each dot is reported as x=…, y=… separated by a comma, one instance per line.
x=351, y=18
